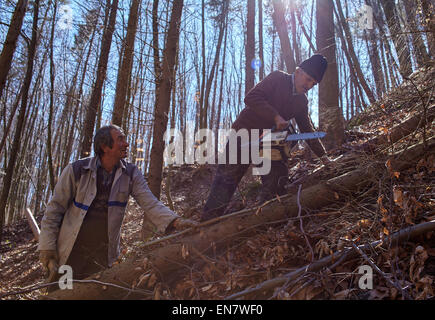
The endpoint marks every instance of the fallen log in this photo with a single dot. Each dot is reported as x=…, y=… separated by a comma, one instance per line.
x=403, y=129
x=172, y=258
x=395, y=134
x=395, y=239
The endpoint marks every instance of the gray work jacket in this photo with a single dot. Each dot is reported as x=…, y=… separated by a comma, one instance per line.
x=73, y=195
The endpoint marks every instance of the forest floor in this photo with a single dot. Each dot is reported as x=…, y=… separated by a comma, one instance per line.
x=393, y=202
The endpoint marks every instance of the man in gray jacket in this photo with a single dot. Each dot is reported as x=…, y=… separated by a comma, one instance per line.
x=81, y=226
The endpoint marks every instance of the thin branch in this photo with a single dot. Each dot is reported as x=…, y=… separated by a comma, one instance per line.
x=41, y=286
x=396, y=238
x=374, y=266
x=301, y=223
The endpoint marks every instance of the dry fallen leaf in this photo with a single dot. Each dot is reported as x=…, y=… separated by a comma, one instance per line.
x=343, y=294
x=380, y=205
x=398, y=196
x=206, y=288
x=379, y=293
x=417, y=263
x=383, y=130
x=143, y=279
x=425, y=283
x=307, y=293
x=431, y=252
x=364, y=223
x=184, y=251
x=322, y=248
x=152, y=281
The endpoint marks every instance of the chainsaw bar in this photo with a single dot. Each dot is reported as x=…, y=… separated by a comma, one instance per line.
x=305, y=136
x=283, y=136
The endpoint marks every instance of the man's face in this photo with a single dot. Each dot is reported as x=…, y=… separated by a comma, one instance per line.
x=119, y=147
x=303, y=81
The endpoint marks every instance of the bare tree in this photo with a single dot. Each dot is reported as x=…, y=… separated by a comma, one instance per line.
x=250, y=46
x=353, y=61
x=164, y=99
x=21, y=117
x=11, y=41
x=281, y=27
x=260, y=39
x=420, y=51
x=400, y=42
x=223, y=8
x=51, y=106
x=428, y=21
x=330, y=116
x=94, y=104
x=124, y=73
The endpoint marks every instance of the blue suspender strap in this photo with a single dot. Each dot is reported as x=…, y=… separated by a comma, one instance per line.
x=80, y=205
x=117, y=204
x=110, y=204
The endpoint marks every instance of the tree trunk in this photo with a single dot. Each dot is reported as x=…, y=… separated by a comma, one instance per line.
x=124, y=74
x=420, y=51
x=353, y=56
x=11, y=41
x=51, y=105
x=296, y=50
x=10, y=121
x=94, y=104
x=428, y=22
x=391, y=62
x=220, y=101
x=250, y=47
x=156, y=54
x=202, y=114
x=307, y=36
x=164, y=99
x=375, y=62
x=21, y=117
x=330, y=117
x=214, y=65
x=400, y=42
x=260, y=38
x=281, y=26
x=78, y=102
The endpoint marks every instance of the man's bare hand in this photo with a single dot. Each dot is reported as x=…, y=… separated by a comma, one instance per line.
x=181, y=224
x=280, y=123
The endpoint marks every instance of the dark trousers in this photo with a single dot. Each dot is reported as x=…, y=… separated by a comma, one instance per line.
x=227, y=179
x=84, y=262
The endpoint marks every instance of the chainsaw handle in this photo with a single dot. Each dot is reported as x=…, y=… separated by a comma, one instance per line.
x=289, y=128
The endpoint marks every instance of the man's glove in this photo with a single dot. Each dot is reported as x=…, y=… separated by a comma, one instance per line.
x=50, y=261
x=181, y=224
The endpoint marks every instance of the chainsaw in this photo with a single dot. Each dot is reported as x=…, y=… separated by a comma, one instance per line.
x=281, y=142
